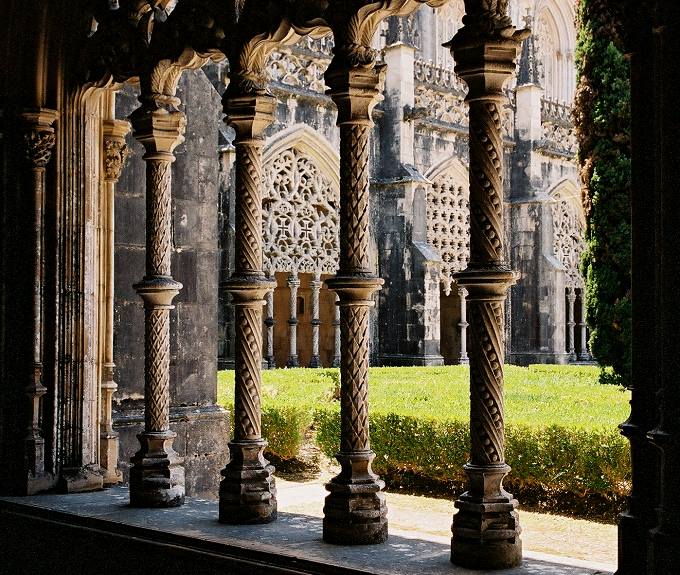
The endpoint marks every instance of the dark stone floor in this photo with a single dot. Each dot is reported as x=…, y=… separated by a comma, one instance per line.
x=294, y=540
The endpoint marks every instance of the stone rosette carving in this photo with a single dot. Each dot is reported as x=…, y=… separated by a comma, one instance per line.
x=298, y=70
x=444, y=107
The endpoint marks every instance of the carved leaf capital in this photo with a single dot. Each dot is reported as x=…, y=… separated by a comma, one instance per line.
x=39, y=137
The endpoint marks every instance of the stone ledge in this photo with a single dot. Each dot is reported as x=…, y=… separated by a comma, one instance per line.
x=77, y=531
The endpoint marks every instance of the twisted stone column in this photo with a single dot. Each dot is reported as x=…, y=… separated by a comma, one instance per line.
x=486, y=528
x=355, y=511
x=336, y=334
x=293, y=286
x=315, y=361
x=157, y=475
x=269, y=323
x=40, y=140
x=571, y=323
x=463, y=325
x=115, y=154
x=248, y=492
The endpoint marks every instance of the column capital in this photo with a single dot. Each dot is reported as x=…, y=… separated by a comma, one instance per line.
x=485, y=61
x=40, y=137
x=159, y=130
x=250, y=114
x=293, y=280
x=355, y=290
x=115, y=148
x=355, y=90
x=486, y=284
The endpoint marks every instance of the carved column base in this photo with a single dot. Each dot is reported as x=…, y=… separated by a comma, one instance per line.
x=355, y=511
x=248, y=490
x=36, y=480
x=486, y=528
x=108, y=456
x=293, y=361
x=80, y=479
x=38, y=483
x=315, y=361
x=156, y=475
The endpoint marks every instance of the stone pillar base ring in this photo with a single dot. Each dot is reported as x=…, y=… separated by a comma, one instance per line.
x=156, y=475
x=248, y=490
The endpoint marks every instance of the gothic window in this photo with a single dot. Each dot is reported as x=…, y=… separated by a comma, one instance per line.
x=568, y=237
x=449, y=18
x=555, y=39
x=300, y=219
x=448, y=224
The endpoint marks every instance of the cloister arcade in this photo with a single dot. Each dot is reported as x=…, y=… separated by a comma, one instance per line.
x=62, y=152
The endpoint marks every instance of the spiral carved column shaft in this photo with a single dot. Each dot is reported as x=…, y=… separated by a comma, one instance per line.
x=157, y=475
x=486, y=528
x=355, y=511
x=40, y=140
x=248, y=491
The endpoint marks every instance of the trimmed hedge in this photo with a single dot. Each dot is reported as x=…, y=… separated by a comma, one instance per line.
x=555, y=457
x=561, y=432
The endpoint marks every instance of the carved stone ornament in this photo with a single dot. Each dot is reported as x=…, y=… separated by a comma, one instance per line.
x=115, y=154
x=301, y=219
x=448, y=225
x=568, y=239
x=486, y=529
x=39, y=144
x=248, y=489
x=40, y=140
x=157, y=474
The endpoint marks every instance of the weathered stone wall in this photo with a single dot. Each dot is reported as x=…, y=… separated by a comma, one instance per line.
x=201, y=426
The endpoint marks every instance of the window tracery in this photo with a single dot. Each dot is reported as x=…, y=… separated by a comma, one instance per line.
x=300, y=219
x=448, y=224
x=449, y=18
x=568, y=238
x=555, y=50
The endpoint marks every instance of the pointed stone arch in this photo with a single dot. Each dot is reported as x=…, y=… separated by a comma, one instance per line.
x=556, y=35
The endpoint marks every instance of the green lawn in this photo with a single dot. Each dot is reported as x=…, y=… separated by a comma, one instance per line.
x=568, y=396
x=561, y=424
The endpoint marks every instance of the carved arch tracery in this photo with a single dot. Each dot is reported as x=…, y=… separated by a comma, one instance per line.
x=568, y=232
x=300, y=207
x=448, y=220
